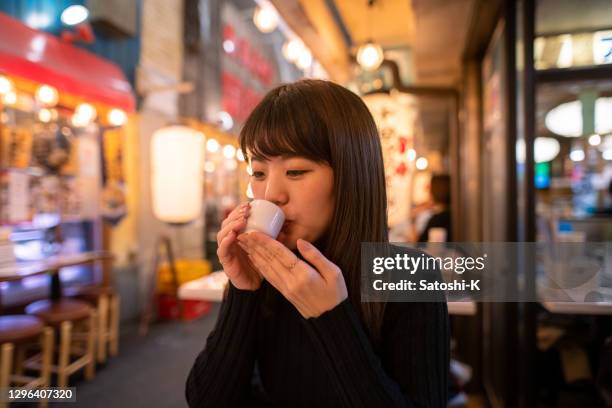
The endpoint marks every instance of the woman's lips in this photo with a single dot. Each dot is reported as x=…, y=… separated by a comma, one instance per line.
x=286, y=226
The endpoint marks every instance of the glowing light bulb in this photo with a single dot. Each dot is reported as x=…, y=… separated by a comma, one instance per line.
x=212, y=145
x=265, y=18
x=370, y=56
x=421, y=163
x=74, y=15
x=305, y=59
x=47, y=96
x=6, y=85
x=116, y=117
x=229, y=151
x=292, y=49
x=86, y=113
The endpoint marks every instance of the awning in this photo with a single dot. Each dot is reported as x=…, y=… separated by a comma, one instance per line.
x=42, y=57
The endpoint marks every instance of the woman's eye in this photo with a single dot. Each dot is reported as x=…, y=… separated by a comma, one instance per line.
x=258, y=174
x=296, y=173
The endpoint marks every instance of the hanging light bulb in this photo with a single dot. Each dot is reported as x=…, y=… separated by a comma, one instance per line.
x=421, y=163
x=305, y=59
x=47, y=96
x=78, y=121
x=229, y=151
x=45, y=115
x=411, y=154
x=116, y=117
x=370, y=56
x=292, y=49
x=10, y=98
x=265, y=18
x=212, y=145
x=6, y=85
x=595, y=140
x=86, y=112
x=239, y=155
x=74, y=15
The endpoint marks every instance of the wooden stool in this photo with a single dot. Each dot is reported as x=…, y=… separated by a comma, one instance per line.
x=63, y=314
x=107, y=302
x=16, y=331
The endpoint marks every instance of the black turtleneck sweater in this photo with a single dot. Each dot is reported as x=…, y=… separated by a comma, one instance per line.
x=262, y=352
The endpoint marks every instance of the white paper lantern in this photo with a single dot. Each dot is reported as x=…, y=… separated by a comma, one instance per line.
x=177, y=157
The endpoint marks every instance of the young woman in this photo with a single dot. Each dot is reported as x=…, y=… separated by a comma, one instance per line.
x=292, y=331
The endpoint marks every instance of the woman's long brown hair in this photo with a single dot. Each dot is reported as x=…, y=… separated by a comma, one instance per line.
x=327, y=123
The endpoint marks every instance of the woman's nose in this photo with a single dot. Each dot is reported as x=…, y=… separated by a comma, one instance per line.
x=276, y=191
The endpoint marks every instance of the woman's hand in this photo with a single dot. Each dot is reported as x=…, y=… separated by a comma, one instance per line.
x=236, y=265
x=312, y=291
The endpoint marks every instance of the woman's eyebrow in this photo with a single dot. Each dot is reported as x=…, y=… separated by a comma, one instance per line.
x=292, y=156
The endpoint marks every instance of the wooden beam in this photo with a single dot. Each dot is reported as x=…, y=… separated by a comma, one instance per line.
x=313, y=22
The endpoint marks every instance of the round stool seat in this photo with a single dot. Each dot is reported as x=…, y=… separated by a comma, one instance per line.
x=90, y=293
x=17, y=328
x=57, y=311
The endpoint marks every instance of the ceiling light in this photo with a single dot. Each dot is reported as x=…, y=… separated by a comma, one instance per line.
x=292, y=49
x=6, y=85
x=38, y=20
x=577, y=155
x=116, y=117
x=229, y=151
x=46, y=95
x=9, y=98
x=421, y=163
x=411, y=154
x=212, y=145
x=594, y=140
x=566, y=119
x=225, y=120
x=370, y=56
x=229, y=46
x=265, y=18
x=239, y=155
x=606, y=143
x=305, y=59
x=545, y=149
x=86, y=112
x=74, y=15
x=45, y=115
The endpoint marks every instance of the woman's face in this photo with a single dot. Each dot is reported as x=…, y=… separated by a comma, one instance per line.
x=302, y=188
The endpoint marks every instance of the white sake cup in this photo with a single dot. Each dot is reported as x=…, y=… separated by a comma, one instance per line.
x=265, y=217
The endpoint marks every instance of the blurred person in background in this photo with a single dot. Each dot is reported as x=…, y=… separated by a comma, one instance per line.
x=435, y=213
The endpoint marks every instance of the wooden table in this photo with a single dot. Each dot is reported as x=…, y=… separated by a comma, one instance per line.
x=591, y=308
x=52, y=265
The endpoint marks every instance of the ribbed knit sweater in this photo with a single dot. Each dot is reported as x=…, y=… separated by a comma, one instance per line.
x=262, y=352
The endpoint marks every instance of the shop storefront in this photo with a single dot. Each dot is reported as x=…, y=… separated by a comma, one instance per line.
x=64, y=113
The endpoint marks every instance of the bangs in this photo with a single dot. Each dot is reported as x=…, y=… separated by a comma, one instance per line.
x=284, y=125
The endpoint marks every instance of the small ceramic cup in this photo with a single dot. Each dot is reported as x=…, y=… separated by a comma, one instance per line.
x=265, y=217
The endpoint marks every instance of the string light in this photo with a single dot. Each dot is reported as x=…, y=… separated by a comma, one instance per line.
x=265, y=18
x=116, y=117
x=47, y=96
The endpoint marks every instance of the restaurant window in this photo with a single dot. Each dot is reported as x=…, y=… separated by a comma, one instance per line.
x=572, y=34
